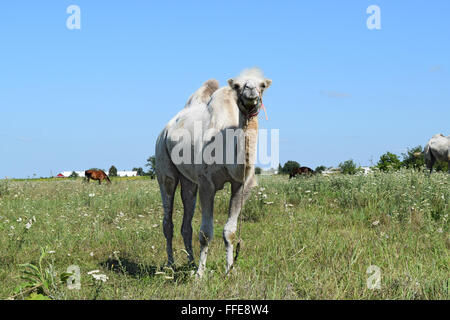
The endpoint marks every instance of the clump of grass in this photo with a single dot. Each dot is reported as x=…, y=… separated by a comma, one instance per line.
x=41, y=280
x=4, y=189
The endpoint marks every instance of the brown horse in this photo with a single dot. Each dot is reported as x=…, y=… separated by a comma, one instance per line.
x=96, y=175
x=300, y=171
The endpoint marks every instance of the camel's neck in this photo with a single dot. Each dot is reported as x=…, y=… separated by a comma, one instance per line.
x=250, y=128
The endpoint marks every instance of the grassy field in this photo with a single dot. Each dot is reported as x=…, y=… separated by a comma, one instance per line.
x=310, y=238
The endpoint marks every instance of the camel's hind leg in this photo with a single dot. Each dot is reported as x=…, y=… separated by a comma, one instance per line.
x=207, y=192
x=430, y=159
x=167, y=186
x=189, y=198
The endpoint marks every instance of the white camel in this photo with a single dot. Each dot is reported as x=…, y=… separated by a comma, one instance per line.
x=437, y=148
x=205, y=162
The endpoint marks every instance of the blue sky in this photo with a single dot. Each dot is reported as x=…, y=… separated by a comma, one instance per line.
x=99, y=96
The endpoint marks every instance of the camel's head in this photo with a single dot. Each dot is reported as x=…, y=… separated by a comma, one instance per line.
x=249, y=86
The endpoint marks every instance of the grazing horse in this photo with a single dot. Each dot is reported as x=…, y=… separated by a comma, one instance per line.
x=300, y=171
x=220, y=113
x=96, y=175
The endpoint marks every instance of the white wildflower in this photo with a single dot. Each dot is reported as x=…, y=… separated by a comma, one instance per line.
x=101, y=277
x=376, y=222
x=93, y=271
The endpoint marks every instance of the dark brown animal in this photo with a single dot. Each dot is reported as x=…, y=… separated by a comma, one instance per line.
x=300, y=171
x=99, y=175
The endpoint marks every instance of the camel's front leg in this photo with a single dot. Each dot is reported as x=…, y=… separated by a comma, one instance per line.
x=229, y=231
x=239, y=195
x=207, y=192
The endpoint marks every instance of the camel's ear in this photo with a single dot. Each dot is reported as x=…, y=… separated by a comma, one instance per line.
x=233, y=85
x=267, y=83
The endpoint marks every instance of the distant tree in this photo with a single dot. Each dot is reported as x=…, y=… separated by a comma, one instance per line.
x=258, y=170
x=280, y=169
x=151, y=164
x=112, y=172
x=319, y=169
x=289, y=166
x=140, y=171
x=413, y=158
x=389, y=161
x=74, y=175
x=348, y=167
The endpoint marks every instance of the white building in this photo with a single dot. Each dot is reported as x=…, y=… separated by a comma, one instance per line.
x=366, y=170
x=126, y=173
x=269, y=172
x=66, y=174
x=330, y=171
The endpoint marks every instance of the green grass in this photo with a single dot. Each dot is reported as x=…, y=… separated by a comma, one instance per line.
x=308, y=238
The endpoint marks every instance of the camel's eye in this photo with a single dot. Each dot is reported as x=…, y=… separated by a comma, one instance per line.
x=263, y=85
x=236, y=86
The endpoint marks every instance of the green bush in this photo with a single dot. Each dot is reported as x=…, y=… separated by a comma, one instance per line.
x=319, y=169
x=388, y=162
x=289, y=166
x=74, y=175
x=348, y=167
x=112, y=171
x=413, y=158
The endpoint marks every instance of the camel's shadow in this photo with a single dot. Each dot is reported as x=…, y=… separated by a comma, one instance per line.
x=129, y=267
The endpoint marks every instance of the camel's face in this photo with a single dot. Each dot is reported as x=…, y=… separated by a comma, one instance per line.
x=250, y=90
